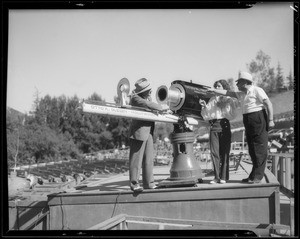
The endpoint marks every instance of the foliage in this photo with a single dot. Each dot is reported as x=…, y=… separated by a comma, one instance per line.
x=119, y=129
x=264, y=75
x=57, y=130
x=162, y=130
x=14, y=135
x=279, y=78
x=41, y=143
x=290, y=81
x=67, y=148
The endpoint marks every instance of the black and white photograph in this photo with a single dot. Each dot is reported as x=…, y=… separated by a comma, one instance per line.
x=167, y=119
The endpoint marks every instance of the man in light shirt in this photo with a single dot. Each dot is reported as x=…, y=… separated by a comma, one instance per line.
x=257, y=112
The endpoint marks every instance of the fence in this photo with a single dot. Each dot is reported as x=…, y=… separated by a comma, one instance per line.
x=282, y=166
x=234, y=158
x=124, y=222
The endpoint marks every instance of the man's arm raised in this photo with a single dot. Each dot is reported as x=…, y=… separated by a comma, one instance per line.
x=225, y=92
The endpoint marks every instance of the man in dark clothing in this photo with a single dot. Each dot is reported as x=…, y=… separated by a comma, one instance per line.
x=141, y=138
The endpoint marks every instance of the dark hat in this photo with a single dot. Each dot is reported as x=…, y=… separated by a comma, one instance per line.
x=142, y=85
x=246, y=76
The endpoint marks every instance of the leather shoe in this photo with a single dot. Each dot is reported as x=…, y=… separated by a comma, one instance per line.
x=222, y=181
x=246, y=180
x=254, y=181
x=153, y=187
x=137, y=188
x=214, y=181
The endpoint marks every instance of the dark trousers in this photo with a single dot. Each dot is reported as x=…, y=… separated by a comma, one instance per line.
x=220, y=142
x=141, y=157
x=256, y=129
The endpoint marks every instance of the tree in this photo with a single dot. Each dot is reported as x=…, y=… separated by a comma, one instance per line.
x=14, y=133
x=162, y=130
x=262, y=73
x=40, y=109
x=36, y=101
x=119, y=128
x=41, y=143
x=279, y=78
x=270, y=82
x=57, y=129
x=67, y=148
x=92, y=132
x=49, y=112
x=106, y=140
x=290, y=81
x=72, y=119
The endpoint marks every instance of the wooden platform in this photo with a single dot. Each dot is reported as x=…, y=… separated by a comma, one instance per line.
x=235, y=202
x=102, y=197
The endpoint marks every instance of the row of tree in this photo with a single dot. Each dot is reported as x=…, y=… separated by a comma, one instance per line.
x=57, y=129
x=270, y=79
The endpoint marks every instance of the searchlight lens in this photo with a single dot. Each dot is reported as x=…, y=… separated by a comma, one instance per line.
x=162, y=94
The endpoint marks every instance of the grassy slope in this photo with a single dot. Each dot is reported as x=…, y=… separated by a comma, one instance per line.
x=282, y=102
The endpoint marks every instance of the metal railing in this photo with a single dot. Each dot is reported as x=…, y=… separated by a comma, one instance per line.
x=234, y=159
x=123, y=221
x=282, y=166
x=42, y=218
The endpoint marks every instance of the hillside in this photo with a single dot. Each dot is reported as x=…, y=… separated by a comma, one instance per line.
x=282, y=102
x=14, y=114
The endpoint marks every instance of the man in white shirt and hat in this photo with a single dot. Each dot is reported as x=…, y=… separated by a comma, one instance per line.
x=141, y=138
x=257, y=112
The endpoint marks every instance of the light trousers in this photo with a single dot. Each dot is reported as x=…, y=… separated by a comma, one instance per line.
x=141, y=157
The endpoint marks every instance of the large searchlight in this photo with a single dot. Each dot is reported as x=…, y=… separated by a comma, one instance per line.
x=183, y=97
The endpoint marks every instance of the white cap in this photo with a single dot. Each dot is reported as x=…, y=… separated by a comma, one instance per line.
x=246, y=76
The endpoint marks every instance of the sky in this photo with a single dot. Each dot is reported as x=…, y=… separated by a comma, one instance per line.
x=81, y=52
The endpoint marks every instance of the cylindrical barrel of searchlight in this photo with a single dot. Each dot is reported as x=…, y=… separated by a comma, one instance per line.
x=183, y=97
